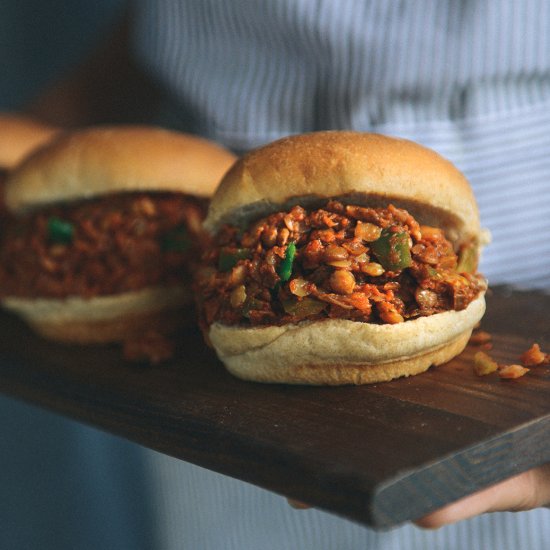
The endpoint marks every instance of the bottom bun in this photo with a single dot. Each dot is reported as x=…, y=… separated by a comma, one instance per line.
x=336, y=352
x=105, y=319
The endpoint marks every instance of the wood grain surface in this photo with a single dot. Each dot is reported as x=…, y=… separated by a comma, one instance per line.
x=380, y=454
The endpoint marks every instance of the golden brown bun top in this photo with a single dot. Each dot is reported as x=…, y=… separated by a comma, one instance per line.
x=19, y=135
x=108, y=159
x=360, y=168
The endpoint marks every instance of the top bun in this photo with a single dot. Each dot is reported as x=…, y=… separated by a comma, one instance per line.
x=104, y=160
x=20, y=135
x=358, y=168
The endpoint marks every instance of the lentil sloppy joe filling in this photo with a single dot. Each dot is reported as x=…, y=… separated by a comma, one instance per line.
x=376, y=265
x=123, y=242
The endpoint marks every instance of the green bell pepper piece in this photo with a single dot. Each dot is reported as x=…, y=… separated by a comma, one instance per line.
x=285, y=267
x=392, y=250
x=60, y=231
x=228, y=259
x=176, y=240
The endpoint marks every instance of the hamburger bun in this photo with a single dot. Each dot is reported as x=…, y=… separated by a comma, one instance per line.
x=19, y=135
x=104, y=319
x=359, y=169
x=97, y=162
x=110, y=159
x=338, y=351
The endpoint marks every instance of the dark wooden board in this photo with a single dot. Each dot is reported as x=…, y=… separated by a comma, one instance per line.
x=380, y=454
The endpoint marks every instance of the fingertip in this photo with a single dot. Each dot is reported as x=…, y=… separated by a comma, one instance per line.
x=452, y=513
x=297, y=505
x=433, y=521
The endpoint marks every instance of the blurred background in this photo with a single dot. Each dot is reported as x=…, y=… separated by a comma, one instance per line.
x=60, y=479
x=40, y=41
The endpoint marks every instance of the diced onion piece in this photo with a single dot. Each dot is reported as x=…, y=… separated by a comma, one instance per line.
x=483, y=364
x=238, y=296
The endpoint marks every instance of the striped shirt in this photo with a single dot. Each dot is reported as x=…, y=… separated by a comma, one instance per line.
x=470, y=79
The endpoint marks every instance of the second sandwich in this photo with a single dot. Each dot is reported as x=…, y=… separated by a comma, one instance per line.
x=106, y=226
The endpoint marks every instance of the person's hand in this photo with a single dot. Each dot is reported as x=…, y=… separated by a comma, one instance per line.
x=526, y=491
x=297, y=504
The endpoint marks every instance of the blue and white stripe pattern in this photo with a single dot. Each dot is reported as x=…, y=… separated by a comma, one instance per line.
x=468, y=78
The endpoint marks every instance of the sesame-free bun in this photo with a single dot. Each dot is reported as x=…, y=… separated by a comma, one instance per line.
x=109, y=159
x=337, y=351
x=359, y=168
x=103, y=319
x=19, y=135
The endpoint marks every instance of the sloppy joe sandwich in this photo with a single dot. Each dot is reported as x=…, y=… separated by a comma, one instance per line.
x=105, y=230
x=19, y=135
x=340, y=258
